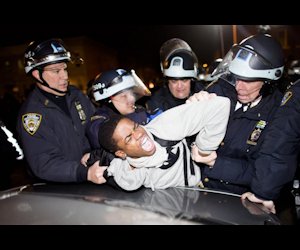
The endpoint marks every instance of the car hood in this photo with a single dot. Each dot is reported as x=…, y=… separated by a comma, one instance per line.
x=83, y=204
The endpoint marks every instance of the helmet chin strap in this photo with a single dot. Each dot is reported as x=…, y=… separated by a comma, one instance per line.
x=260, y=94
x=249, y=104
x=43, y=82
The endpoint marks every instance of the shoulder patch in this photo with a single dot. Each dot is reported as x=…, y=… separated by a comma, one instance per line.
x=286, y=97
x=31, y=122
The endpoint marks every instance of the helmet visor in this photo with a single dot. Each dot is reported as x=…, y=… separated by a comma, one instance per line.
x=255, y=60
x=128, y=81
x=139, y=89
x=171, y=46
x=244, y=63
x=222, y=68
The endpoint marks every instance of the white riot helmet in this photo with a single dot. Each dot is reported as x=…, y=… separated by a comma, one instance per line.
x=258, y=57
x=112, y=82
x=177, y=60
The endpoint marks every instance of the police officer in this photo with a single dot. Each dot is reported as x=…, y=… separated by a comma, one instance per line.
x=117, y=91
x=179, y=66
x=278, y=160
x=52, y=121
x=248, y=77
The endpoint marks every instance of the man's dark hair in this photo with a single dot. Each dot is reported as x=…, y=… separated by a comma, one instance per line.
x=106, y=131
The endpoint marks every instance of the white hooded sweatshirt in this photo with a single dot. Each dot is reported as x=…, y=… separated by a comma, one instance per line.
x=208, y=119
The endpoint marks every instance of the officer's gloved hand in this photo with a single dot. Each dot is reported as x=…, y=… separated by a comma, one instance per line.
x=101, y=155
x=151, y=114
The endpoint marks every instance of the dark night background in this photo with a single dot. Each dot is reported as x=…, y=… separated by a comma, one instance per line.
x=141, y=42
x=138, y=41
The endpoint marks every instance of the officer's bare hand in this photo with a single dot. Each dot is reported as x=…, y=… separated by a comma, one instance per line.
x=198, y=156
x=200, y=96
x=268, y=204
x=84, y=159
x=95, y=173
x=254, y=208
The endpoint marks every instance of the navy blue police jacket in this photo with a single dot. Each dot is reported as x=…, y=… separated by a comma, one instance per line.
x=277, y=161
x=234, y=167
x=54, y=142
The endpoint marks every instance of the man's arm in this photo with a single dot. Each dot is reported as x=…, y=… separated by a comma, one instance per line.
x=125, y=176
x=208, y=118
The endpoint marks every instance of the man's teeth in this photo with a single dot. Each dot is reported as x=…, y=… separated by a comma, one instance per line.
x=147, y=144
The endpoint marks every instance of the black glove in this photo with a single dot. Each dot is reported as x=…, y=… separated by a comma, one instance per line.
x=101, y=154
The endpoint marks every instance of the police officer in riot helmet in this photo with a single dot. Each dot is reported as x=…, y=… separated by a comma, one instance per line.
x=247, y=75
x=258, y=58
x=40, y=54
x=116, y=91
x=52, y=121
x=179, y=66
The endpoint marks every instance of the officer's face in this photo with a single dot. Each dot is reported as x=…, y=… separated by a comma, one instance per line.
x=124, y=102
x=132, y=139
x=180, y=88
x=247, y=91
x=56, y=75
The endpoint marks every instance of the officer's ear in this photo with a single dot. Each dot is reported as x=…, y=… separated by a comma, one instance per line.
x=35, y=74
x=121, y=154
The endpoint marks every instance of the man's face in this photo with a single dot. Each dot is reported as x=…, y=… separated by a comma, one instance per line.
x=132, y=139
x=56, y=75
x=247, y=91
x=180, y=88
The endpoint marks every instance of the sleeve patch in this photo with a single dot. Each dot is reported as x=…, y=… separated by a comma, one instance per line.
x=31, y=122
